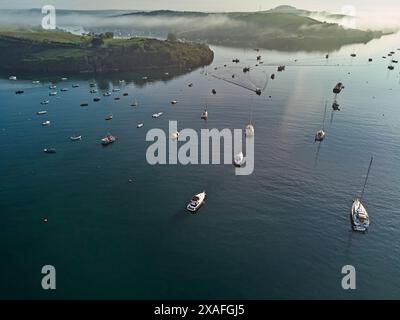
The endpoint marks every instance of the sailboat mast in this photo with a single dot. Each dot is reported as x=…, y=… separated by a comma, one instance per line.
x=323, y=121
x=366, y=178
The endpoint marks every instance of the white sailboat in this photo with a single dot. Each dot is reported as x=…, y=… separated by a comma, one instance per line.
x=320, y=135
x=359, y=216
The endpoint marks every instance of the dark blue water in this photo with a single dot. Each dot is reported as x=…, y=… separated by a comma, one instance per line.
x=281, y=233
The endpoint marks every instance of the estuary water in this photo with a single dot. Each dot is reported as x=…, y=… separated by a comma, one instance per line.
x=281, y=233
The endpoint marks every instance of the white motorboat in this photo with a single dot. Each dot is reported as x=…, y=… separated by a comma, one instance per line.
x=53, y=93
x=140, y=125
x=174, y=102
x=45, y=102
x=49, y=150
x=64, y=79
x=239, y=160
x=107, y=94
x=204, y=115
x=358, y=215
x=75, y=86
x=109, y=117
x=39, y=113
x=76, y=138
x=94, y=91
x=249, y=130
x=157, y=115
x=108, y=139
x=35, y=82
x=145, y=78
x=52, y=87
x=196, y=202
x=116, y=89
x=12, y=78
x=46, y=123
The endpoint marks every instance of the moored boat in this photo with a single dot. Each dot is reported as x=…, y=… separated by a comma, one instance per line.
x=196, y=202
x=108, y=139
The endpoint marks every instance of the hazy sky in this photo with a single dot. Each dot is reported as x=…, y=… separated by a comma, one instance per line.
x=207, y=5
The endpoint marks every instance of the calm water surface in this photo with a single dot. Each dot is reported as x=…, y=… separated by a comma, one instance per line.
x=281, y=233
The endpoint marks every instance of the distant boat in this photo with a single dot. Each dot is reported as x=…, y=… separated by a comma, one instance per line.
x=258, y=58
x=46, y=123
x=204, y=115
x=140, y=125
x=281, y=68
x=353, y=55
x=236, y=60
x=39, y=113
x=320, y=135
x=175, y=135
x=246, y=69
x=93, y=85
x=76, y=138
x=109, y=117
x=174, y=102
x=335, y=106
x=64, y=79
x=239, y=160
x=166, y=73
x=213, y=91
x=94, y=91
x=157, y=115
x=196, y=202
x=125, y=94
x=64, y=89
x=273, y=76
x=35, y=82
x=135, y=103
x=54, y=93
x=14, y=78
x=49, y=150
x=84, y=104
x=96, y=99
x=75, y=86
x=338, y=88
x=390, y=67
x=370, y=60
x=108, y=139
x=52, y=87
x=107, y=94
x=19, y=92
x=144, y=78
x=190, y=85
x=359, y=216
x=121, y=81
x=45, y=102
x=117, y=98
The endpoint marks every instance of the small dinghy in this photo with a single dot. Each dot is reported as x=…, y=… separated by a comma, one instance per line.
x=75, y=86
x=213, y=91
x=107, y=94
x=140, y=125
x=320, y=135
x=96, y=99
x=190, y=85
x=109, y=117
x=174, y=102
x=108, y=139
x=39, y=113
x=116, y=89
x=54, y=93
x=335, y=106
x=338, y=88
x=45, y=102
x=239, y=160
x=49, y=150
x=135, y=103
x=196, y=202
x=64, y=79
x=117, y=98
x=76, y=138
x=64, y=89
x=46, y=123
x=84, y=104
